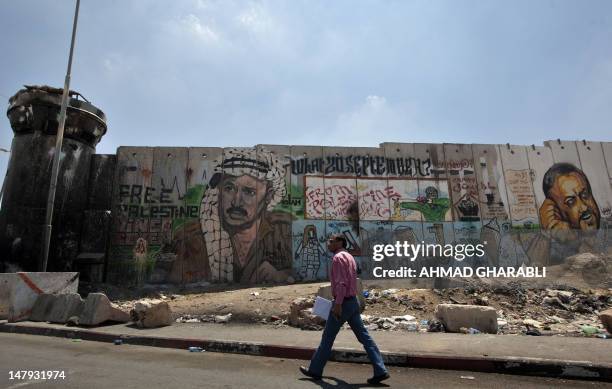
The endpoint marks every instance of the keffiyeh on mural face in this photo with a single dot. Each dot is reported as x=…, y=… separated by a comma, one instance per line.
x=259, y=164
x=246, y=181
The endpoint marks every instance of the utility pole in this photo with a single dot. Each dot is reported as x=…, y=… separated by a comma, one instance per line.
x=58, y=147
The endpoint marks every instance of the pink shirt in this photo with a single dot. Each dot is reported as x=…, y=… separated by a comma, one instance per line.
x=343, y=276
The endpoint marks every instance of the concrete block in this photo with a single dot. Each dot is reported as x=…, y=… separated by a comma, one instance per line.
x=97, y=309
x=455, y=316
x=22, y=289
x=42, y=307
x=6, y=280
x=64, y=307
x=151, y=314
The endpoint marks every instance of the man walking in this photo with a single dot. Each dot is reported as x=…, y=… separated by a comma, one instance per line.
x=345, y=309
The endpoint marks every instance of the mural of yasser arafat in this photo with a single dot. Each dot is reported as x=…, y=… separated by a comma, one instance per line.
x=238, y=228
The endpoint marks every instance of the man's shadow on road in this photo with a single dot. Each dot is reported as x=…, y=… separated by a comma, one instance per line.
x=342, y=384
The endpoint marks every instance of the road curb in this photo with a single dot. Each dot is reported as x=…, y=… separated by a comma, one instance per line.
x=505, y=365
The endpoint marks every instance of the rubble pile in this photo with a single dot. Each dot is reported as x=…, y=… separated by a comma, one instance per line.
x=514, y=306
x=552, y=311
x=405, y=322
x=300, y=315
x=204, y=318
x=506, y=309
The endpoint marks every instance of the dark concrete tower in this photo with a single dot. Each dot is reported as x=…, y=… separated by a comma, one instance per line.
x=33, y=113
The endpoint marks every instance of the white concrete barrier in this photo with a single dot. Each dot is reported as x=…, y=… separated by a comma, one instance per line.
x=6, y=280
x=18, y=291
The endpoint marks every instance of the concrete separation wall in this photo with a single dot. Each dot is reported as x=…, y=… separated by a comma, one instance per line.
x=259, y=214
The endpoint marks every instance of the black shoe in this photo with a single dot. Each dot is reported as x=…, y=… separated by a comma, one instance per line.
x=377, y=379
x=308, y=373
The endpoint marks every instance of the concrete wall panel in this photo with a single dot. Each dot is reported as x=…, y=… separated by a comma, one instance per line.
x=342, y=166
x=274, y=242
x=564, y=151
x=540, y=160
x=403, y=207
x=373, y=233
x=305, y=161
x=594, y=167
x=521, y=197
x=463, y=183
x=433, y=184
x=607, y=150
x=168, y=210
x=492, y=195
x=193, y=250
x=374, y=196
x=312, y=259
x=131, y=215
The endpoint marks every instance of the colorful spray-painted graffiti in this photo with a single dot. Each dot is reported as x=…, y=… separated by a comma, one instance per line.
x=262, y=214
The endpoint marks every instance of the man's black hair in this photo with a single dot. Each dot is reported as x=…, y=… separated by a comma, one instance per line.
x=341, y=238
x=560, y=169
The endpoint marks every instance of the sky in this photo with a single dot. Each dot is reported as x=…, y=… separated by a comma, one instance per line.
x=350, y=73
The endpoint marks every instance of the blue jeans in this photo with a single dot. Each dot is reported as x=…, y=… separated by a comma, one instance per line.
x=350, y=314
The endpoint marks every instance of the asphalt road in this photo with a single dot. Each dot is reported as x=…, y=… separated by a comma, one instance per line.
x=103, y=365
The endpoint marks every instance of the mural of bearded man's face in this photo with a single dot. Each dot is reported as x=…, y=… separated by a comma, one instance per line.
x=242, y=200
x=574, y=199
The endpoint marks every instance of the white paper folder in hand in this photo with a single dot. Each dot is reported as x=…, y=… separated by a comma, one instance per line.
x=321, y=307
